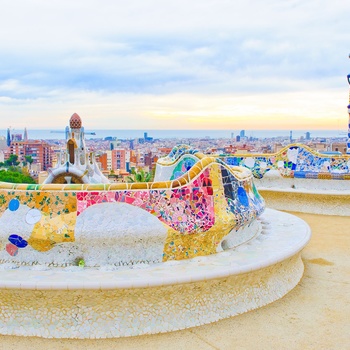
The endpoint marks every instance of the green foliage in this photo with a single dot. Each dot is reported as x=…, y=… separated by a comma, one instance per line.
x=139, y=176
x=12, y=160
x=29, y=159
x=15, y=177
x=15, y=169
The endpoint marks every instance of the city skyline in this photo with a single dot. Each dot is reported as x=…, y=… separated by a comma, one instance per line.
x=160, y=65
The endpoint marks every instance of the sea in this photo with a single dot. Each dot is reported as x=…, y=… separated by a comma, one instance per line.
x=37, y=134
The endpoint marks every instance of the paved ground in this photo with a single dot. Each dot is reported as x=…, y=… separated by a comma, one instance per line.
x=314, y=315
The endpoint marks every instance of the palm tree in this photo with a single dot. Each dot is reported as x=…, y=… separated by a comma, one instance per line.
x=139, y=176
x=29, y=161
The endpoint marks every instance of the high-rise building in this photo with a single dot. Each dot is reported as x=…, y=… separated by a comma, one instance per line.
x=25, y=135
x=102, y=159
x=242, y=133
x=16, y=137
x=146, y=138
x=114, y=144
x=118, y=158
x=40, y=151
x=8, y=138
x=3, y=144
x=150, y=159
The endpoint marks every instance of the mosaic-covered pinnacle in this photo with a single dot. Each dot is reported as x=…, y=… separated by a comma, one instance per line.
x=75, y=121
x=348, y=141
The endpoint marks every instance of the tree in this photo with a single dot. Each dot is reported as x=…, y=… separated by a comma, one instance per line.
x=29, y=159
x=15, y=177
x=12, y=160
x=139, y=176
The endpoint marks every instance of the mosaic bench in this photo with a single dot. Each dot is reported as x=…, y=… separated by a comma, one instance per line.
x=209, y=208
x=294, y=160
x=116, y=260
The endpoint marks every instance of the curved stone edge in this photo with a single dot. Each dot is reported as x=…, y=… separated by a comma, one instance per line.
x=274, y=181
x=282, y=236
x=130, y=312
x=330, y=203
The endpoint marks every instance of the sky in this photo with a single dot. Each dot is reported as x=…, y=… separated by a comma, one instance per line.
x=184, y=64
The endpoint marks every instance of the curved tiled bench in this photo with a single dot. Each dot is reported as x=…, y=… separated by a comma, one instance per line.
x=109, y=302
x=209, y=208
x=296, y=178
x=285, y=180
x=218, y=259
x=293, y=161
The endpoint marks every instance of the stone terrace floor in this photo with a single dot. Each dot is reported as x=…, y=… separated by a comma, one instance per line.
x=314, y=315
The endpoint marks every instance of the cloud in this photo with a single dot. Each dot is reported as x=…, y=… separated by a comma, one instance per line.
x=292, y=110
x=75, y=54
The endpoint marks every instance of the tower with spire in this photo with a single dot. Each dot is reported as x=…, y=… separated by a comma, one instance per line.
x=75, y=164
x=348, y=142
x=25, y=135
x=8, y=138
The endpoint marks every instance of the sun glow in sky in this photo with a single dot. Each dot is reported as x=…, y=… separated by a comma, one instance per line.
x=151, y=64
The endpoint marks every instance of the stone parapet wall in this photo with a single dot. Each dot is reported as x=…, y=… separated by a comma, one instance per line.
x=322, y=202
